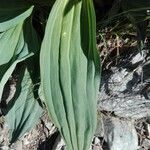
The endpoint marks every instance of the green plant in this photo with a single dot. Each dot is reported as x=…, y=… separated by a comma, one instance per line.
x=69, y=65
x=54, y=58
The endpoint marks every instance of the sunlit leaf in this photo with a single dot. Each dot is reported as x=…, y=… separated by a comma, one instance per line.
x=24, y=109
x=70, y=71
x=22, y=44
x=12, y=13
x=10, y=36
x=6, y=71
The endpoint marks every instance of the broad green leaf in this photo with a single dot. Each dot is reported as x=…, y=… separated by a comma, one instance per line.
x=25, y=110
x=12, y=14
x=18, y=41
x=23, y=43
x=10, y=36
x=11, y=40
x=7, y=70
x=70, y=71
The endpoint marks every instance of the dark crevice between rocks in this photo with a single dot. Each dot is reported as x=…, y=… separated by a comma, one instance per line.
x=49, y=142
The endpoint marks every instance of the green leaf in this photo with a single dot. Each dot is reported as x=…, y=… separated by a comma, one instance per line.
x=18, y=41
x=6, y=71
x=24, y=109
x=10, y=36
x=70, y=71
x=23, y=43
x=13, y=34
x=13, y=14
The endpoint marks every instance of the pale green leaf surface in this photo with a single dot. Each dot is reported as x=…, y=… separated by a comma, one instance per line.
x=18, y=41
x=7, y=70
x=70, y=71
x=25, y=110
x=24, y=49
x=10, y=16
x=12, y=36
x=8, y=43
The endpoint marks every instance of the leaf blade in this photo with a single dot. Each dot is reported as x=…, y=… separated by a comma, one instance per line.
x=24, y=111
x=66, y=69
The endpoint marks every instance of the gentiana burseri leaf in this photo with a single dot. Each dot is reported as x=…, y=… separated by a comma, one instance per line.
x=16, y=42
x=70, y=71
x=23, y=111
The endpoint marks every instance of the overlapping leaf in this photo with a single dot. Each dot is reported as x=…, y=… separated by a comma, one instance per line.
x=10, y=36
x=24, y=109
x=16, y=44
x=18, y=41
x=11, y=33
x=70, y=71
x=13, y=12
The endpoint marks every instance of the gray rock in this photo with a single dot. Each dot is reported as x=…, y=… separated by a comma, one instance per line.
x=120, y=134
x=100, y=126
x=125, y=88
x=145, y=145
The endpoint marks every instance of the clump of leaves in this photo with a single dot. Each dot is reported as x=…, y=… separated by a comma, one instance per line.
x=69, y=66
x=59, y=59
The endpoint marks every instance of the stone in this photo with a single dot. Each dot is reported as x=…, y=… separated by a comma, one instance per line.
x=120, y=134
x=125, y=87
